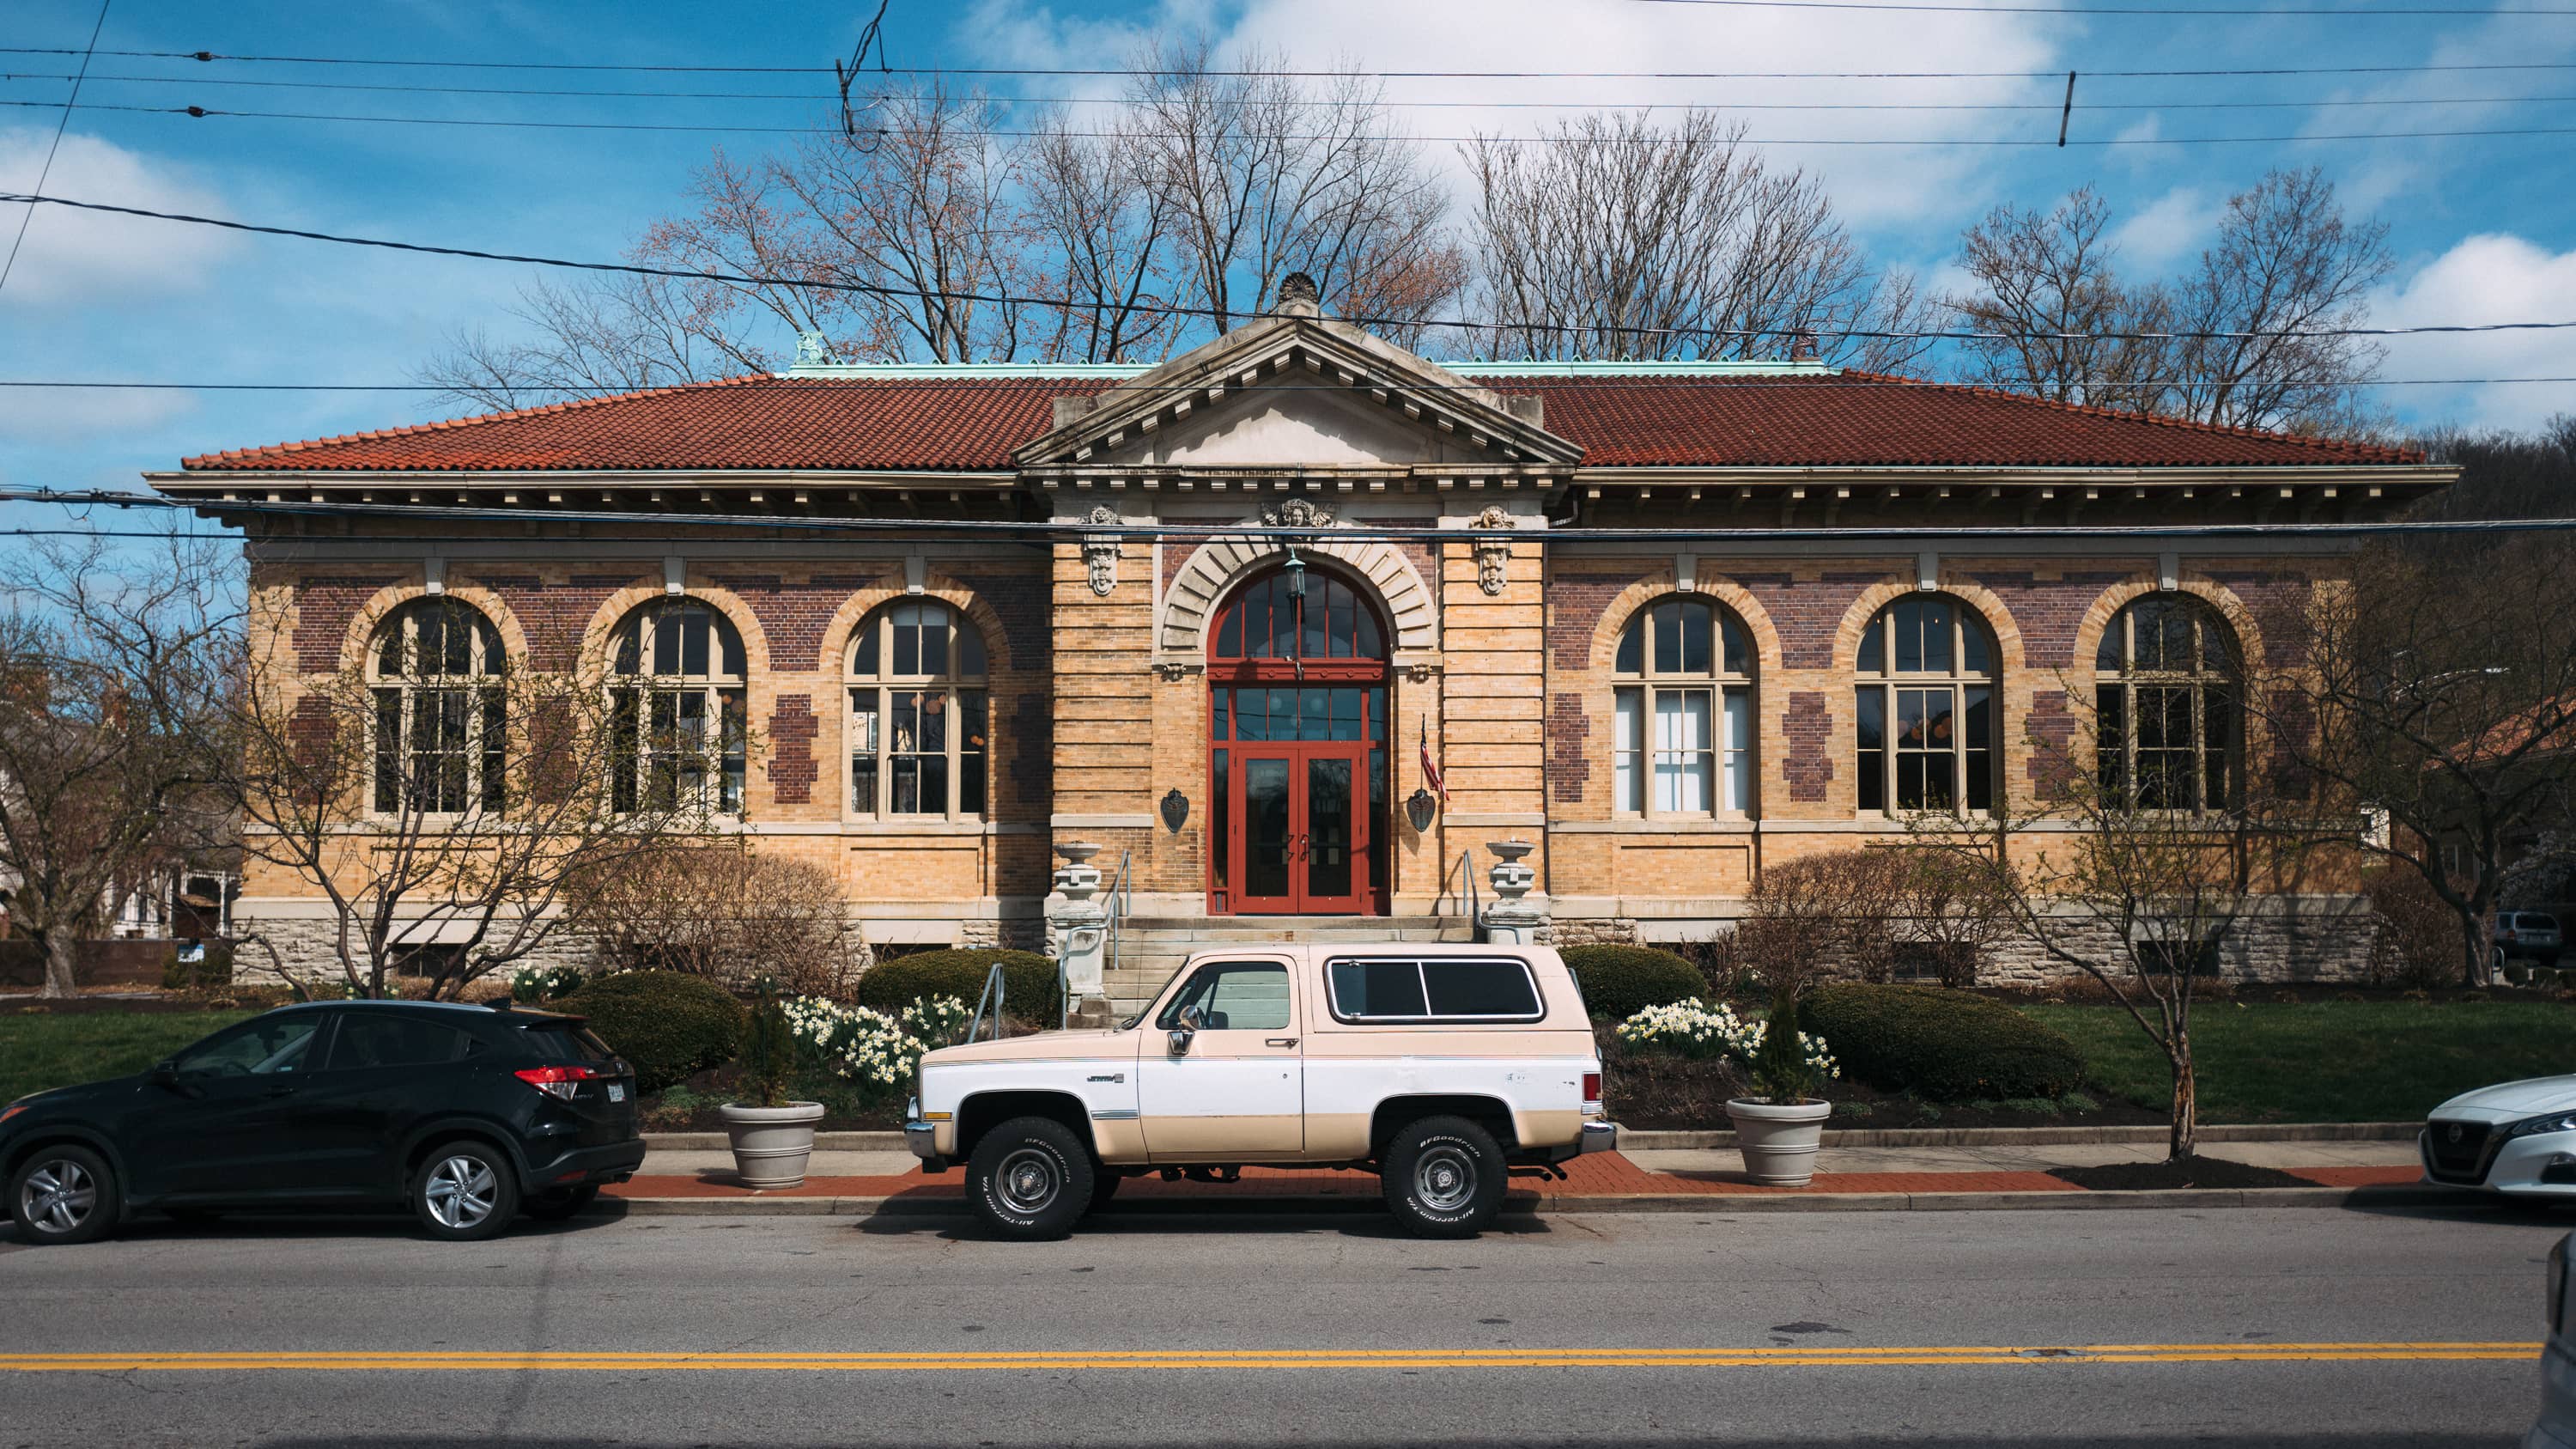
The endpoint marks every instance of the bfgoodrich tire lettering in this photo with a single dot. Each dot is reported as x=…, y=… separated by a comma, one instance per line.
x=1030, y=1178
x=1443, y=1177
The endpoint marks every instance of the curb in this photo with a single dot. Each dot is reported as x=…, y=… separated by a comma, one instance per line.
x=1645, y=1140
x=1705, y=1204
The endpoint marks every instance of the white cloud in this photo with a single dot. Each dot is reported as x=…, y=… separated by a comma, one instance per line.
x=1871, y=184
x=2490, y=278
x=2166, y=230
x=32, y=416
x=86, y=258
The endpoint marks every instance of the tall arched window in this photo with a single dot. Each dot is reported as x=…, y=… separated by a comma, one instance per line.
x=1928, y=715
x=918, y=713
x=1683, y=728
x=2166, y=702
x=440, y=718
x=676, y=709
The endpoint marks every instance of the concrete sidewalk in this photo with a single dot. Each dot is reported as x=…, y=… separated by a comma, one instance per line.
x=1980, y=1176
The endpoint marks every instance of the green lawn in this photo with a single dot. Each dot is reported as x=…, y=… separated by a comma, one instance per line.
x=40, y=1050
x=2327, y=1061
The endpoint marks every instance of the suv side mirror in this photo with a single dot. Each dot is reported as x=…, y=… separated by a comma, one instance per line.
x=1193, y=1021
x=165, y=1072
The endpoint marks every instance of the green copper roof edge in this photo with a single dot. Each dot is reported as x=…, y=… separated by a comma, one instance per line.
x=1115, y=370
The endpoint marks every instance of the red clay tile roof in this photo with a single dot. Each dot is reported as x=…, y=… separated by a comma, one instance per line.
x=763, y=422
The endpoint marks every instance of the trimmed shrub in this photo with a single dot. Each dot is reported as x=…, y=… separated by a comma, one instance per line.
x=1620, y=981
x=1028, y=981
x=667, y=1025
x=1941, y=1044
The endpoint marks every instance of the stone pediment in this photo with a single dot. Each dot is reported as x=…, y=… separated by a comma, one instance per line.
x=1298, y=390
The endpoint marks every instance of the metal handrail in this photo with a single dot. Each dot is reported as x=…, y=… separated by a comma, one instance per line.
x=994, y=994
x=1468, y=891
x=1115, y=901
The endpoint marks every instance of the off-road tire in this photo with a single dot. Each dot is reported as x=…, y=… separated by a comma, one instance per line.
x=449, y=1167
x=1443, y=1177
x=63, y=1195
x=1030, y=1179
x=561, y=1203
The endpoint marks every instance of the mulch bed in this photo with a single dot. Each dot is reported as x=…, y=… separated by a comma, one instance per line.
x=2189, y=1172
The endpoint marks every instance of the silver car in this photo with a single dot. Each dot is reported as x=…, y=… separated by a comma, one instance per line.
x=2556, y=1426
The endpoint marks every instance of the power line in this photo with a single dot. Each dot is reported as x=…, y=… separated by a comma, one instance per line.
x=46, y=172
x=1554, y=383
x=486, y=122
x=2346, y=13
x=1223, y=73
x=1353, y=531
x=1169, y=310
x=803, y=97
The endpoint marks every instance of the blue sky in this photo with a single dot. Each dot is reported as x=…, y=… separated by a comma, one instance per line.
x=2484, y=228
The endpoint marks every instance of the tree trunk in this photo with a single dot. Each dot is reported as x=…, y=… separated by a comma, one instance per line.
x=2184, y=1138
x=58, y=964
x=2474, y=948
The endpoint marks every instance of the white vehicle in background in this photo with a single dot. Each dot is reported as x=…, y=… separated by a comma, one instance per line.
x=2517, y=1138
x=1440, y=1067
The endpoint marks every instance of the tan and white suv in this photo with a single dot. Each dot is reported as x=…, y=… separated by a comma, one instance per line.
x=1441, y=1067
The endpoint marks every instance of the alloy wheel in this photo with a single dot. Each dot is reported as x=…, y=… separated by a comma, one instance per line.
x=460, y=1191
x=58, y=1196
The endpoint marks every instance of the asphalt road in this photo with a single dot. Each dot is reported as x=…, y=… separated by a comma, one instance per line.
x=1759, y=1329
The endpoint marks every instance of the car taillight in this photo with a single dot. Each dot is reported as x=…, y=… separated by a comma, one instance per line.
x=1591, y=1091
x=557, y=1081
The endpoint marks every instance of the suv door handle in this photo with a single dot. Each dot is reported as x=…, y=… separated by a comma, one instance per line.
x=1279, y=1041
x=283, y=1090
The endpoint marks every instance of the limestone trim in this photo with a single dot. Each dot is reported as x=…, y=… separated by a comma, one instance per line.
x=1216, y=566
x=2106, y=607
x=1900, y=584
x=614, y=609
x=1656, y=583
x=838, y=631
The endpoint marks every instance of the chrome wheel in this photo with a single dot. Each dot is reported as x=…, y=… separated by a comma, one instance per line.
x=1029, y=1180
x=57, y=1197
x=1444, y=1178
x=460, y=1191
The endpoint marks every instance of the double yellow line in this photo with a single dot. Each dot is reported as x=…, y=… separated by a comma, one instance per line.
x=1129, y=1360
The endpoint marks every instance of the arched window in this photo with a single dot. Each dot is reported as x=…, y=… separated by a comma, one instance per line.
x=676, y=709
x=440, y=718
x=1928, y=717
x=2166, y=701
x=1308, y=616
x=918, y=713
x=1683, y=729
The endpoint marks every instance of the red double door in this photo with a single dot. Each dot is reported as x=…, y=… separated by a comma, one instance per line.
x=1298, y=776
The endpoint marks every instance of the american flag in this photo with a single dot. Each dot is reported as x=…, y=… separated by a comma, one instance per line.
x=1430, y=771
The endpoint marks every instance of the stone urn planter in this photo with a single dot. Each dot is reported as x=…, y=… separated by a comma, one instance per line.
x=1779, y=1141
x=771, y=1144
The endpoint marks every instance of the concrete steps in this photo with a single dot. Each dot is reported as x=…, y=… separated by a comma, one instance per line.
x=1151, y=948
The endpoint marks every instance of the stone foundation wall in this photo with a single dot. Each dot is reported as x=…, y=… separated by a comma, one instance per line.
x=306, y=947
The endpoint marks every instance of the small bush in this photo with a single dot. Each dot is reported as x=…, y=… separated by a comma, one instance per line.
x=1941, y=1044
x=1028, y=981
x=214, y=969
x=665, y=1024
x=1620, y=981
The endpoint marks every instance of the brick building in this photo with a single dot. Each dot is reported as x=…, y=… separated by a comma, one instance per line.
x=1645, y=616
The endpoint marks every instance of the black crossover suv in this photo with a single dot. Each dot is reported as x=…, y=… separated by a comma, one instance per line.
x=468, y=1114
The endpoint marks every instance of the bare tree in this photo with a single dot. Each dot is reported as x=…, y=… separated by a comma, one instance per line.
x=722, y=910
x=622, y=334
x=1103, y=234
x=441, y=807
x=110, y=672
x=2436, y=712
x=1265, y=176
x=2286, y=262
x=2053, y=307
x=1612, y=236
x=1951, y=911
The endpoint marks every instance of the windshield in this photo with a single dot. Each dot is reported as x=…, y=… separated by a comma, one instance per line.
x=1130, y=1023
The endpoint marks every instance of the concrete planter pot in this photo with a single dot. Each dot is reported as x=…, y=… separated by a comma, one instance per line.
x=1779, y=1141
x=771, y=1144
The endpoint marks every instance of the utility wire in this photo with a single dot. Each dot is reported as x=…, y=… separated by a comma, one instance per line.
x=1554, y=382
x=1010, y=134
x=807, y=97
x=1166, y=309
x=1095, y=71
x=2341, y=12
x=1045, y=531
x=46, y=172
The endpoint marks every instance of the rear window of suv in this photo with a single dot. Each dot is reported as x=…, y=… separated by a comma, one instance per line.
x=565, y=1042
x=1436, y=989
